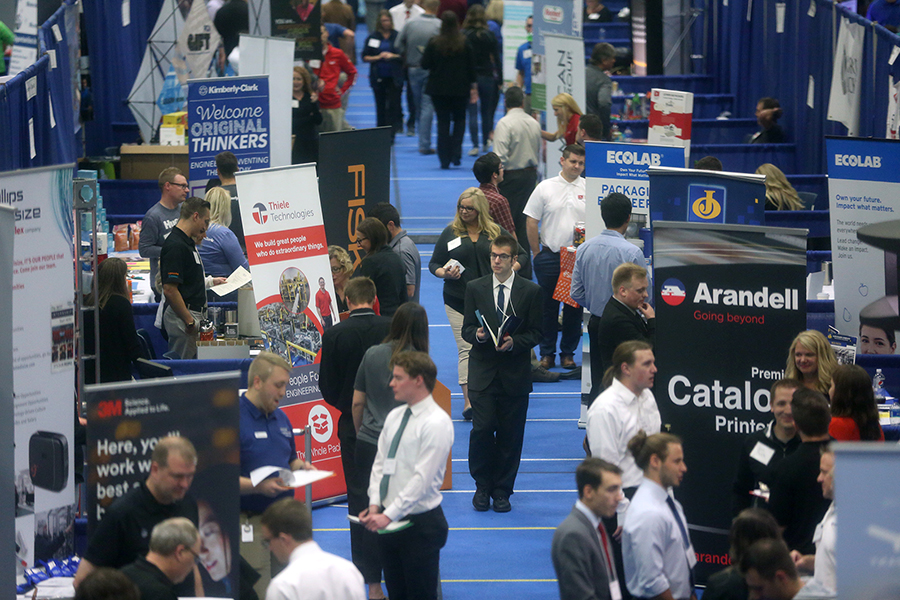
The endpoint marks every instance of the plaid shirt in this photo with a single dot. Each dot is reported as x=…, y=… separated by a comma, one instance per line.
x=499, y=207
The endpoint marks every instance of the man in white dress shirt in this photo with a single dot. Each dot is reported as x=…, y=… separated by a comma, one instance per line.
x=311, y=573
x=658, y=554
x=822, y=563
x=406, y=480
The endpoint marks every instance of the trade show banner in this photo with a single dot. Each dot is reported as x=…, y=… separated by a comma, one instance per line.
x=125, y=421
x=198, y=42
x=273, y=56
x=288, y=257
x=43, y=360
x=616, y=167
x=564, y=63
x=515, y=13
x=7, y=427
x=671, y=116
x=229, y=113
x=354, y=172
x=299, y=20
x=846, y=84
x=550, y=17
x=862, y=190
x=24, y=51
x=706, y=196
x=731, y=299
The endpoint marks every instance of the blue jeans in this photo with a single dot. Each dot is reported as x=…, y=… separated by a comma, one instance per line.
x=546, y=269
x=487, y=92
x=418, y=79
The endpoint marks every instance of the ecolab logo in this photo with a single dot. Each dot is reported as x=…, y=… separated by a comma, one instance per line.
x=855, y=160
x=651, y=159
x=553, y=14
x=789, y=300
x=673, y=292
x=259, y=213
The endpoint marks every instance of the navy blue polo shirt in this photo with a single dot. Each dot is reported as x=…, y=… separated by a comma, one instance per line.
x=265, y=441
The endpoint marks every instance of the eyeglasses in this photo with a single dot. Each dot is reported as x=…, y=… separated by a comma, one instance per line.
x=181, y=185
x=196, y=556
x=500, y=256
x=462, y=208
x=361, y=238
x=336, y=269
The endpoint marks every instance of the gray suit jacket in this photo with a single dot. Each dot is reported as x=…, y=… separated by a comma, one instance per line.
x=578, y=560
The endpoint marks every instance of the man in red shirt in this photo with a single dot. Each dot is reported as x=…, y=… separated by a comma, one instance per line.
x=488, y=170
x=334, y=62
x=323, y=305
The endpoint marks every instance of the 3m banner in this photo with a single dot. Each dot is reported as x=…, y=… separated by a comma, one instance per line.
x=43, y=360
x=515, y=13
x=299, y=20
x=288, y=256
x=125, y=420
x=706, y=196
x=354, y=172
x=862, y=190
x=616, y=167
x=731, y=299
x=846, y=85
x=229, y=113
x=550, y=17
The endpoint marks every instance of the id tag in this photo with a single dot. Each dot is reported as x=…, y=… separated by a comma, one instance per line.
x=454, y=244
x=295, y=103
x=691, y=557
x=762, y=453
x=615, y=593
x=390, y=466
x=374, y=43
x=197, y=258
x=247, y=533
x=261, y=435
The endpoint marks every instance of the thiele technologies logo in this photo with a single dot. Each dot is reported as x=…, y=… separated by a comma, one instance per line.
x=673, y=292
x=259, y=213
x=707, y=204
x=320, y=423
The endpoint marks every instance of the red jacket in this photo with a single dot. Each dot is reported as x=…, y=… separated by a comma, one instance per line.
x=333, y=64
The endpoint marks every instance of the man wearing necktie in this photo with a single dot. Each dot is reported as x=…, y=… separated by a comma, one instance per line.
x=406, y=480
x=627, y=316
x=499, y=372
x=658, y=555
x=582, y=552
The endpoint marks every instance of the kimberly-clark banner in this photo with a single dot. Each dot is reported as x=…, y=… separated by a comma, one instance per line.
x=560, y=18
x=125, y=420
x=730, y=300
x=706, y=196
x=43, y=360
x=616, y=167
x=862, y=190
x=288, y=255
x=229, y=113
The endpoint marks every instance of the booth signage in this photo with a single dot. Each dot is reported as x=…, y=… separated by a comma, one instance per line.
x=706, y=196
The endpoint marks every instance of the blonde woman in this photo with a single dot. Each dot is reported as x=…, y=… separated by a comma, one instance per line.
x=220, y=251
x=341, y=270
x=568, y=114
x=461, y=254
x=780, y=194
x=811, y=360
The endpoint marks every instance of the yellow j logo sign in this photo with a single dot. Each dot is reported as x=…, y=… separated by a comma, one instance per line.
x=707, y=207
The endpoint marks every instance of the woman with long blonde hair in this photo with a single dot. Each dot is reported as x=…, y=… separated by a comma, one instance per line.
x=780, y=194
x=220, y=251
x=568, y=114
x=811, y=360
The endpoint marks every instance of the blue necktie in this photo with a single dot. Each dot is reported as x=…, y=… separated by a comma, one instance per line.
x=392, y=452
x=684, y=534
x=501, y=301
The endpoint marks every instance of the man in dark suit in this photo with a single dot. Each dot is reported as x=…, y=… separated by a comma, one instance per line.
x=627, y=315
x=582, y=554
x=499, y=373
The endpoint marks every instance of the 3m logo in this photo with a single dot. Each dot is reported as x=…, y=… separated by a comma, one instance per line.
x=259, y=213
x=707, y=204
x=109, y=408
x=673, y=292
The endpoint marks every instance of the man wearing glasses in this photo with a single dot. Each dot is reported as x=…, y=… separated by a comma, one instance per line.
x=161, y=218
x=174, y=550
x=499, y=372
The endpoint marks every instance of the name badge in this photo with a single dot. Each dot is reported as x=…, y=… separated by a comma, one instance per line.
x=615, y=593
x=295, y=103
x=197, y=257
x=817, y=536
x=390, y=466
x=374, y=43
x=526, y=54
x=261, y=435
x=454, y=244
x=247, y=533
x=762, y=453
x=691, y=557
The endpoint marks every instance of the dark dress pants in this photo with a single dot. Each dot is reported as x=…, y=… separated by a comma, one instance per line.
x=516, y=187
x=388, y=112
x=495, y=442
x=546, y=268
x=364, y=547
x=596, y=364
x=451, y=111
x=347, y=436
x=611, y=524
x=412, y=557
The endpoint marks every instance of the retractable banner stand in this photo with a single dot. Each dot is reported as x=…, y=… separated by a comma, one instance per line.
x=288, y=256
x=125, y=420
x=275, y=56
x=515, y=13
x=862, y=190
x=43, y=360
x=550, y=17
x=7, y=429
x=24, y=52
x=564, y=63
x=229, y=113
x=706, y=196
x=354, y=173
x=731, y=299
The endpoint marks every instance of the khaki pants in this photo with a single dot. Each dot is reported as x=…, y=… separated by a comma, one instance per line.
x=463, y=347
x=258, y=556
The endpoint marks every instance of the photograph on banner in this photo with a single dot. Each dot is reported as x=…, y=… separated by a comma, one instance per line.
x=550, y=18
x=125, y=421
x=616, y=167
x=515, y=13
x=354, y=174
x=300, y=20
x=700, y=196
x=227, y=114
x=734, y=295
x=43, y=357
x=863, y=191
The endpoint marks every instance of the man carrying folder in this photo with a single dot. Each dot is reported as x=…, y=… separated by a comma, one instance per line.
x=502, y=321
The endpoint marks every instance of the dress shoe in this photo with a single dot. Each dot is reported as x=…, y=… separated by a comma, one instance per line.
x=501, y=504
x=474, y=151
x=570, y=374
x=547, y=362
x=410, y=132
x=427, y=152
x=541, y=375
x=567, y=362
x=481, y=500
x=467, y=414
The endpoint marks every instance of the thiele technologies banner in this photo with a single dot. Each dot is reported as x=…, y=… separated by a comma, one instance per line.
x=351, y=180
x=229, y=113
x=560, y=18
x=43, y=360
x=288, y=257
x=706, y=196
x=125, y=420
x=730, y=300
x=862, y=190
x=616, y=167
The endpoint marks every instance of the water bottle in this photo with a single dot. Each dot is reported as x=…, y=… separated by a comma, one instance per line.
x=878, y=386
x=895, y=412
x=628, y=135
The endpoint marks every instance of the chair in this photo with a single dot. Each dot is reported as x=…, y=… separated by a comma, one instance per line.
x=146, y=345
x=808, y=199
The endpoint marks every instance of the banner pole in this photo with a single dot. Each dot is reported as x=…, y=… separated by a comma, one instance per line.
x=394, y=179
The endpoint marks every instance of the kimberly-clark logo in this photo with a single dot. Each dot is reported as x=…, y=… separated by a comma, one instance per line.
x=553, y=14
x=203, y=90
x=673, y=292
x=707, y=204
x=259, y=213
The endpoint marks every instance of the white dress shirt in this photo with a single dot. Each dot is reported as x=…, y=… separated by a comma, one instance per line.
x=652, y=547
x=517, y=140
x=824, y=580
x=613, y=419
x=506, y=292
x=401, y=14
x=313, y=574
x=421, y=460
x=558, y=205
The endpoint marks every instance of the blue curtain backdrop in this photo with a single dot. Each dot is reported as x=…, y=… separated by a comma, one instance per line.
x=63, y=145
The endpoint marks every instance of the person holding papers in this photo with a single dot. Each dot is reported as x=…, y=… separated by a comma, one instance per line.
x=221, y=251
x=502, y=321
x=267, y=439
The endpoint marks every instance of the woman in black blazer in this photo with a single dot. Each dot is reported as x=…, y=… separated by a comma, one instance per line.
x=382, y=265
x=305, y=116
x=385, y=72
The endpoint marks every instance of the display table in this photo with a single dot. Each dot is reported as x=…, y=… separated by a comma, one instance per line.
x=146, y=161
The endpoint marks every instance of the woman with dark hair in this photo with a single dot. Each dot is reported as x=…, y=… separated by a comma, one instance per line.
x=385, y=72
x=450, y=62
x=305, y=116
x=854, y=413
x=373, y=399
x=487, y=61
x=119, y=344
x=751, y=525
x=768, y=111
x=382, y=265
